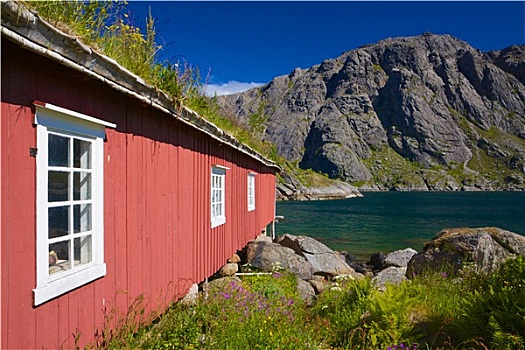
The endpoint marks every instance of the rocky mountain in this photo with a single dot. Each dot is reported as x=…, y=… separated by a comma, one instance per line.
x=415, y=113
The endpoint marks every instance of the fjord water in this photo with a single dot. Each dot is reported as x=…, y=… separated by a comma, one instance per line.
x=387, y=221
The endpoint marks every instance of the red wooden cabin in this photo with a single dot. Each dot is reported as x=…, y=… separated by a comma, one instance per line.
x=108, y=191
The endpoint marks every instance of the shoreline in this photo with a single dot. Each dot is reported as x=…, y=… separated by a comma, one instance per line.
x=390, y=220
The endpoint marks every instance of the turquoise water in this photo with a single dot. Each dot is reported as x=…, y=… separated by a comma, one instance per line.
x=387, y=221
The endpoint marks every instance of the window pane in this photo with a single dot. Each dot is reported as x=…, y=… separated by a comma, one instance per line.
x=59, y=257
x=81, y=186
x=83, y=250
x=58, y=221
x=58, y=184
x=81, y=154
x=82, y=217
x=58, y=147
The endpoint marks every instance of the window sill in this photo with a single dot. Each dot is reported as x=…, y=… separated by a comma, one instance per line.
x=218, y=221
x=67, y=283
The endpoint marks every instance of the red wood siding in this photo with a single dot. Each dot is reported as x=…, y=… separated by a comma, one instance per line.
x=158, y=236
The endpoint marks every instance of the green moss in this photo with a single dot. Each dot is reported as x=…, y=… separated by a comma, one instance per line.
x=377, y=68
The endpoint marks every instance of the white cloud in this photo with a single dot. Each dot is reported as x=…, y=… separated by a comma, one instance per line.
x=229, y=88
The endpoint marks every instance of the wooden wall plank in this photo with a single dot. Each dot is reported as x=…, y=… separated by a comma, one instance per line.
x=4, y=212
x=62, y=313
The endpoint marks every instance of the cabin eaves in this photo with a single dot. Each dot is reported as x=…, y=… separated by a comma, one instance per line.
x=28, y=30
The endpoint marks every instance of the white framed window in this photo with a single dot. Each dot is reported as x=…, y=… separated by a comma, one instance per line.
x=70, y=198
x=218, y=188
x=251, y=191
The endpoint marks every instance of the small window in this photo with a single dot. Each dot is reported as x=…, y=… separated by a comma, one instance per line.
x=70, y=176
x=218, y=183
x=251, y=191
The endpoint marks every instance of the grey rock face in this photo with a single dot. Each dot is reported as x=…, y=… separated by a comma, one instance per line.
x=377, y=260
x=481, y=248
x=306, y=291
x=390, y=275
x=425, y=101
x=324, y=261
x=229, y=269
x=271, y=256
x=400, y=258
x=292, y=189
x=191, y=297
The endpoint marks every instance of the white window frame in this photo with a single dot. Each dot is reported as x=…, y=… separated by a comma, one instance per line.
x=251, y=191
x=218, y=195
x=50, y=119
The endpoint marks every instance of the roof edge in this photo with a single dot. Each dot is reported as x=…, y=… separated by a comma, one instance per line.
x=26, y=29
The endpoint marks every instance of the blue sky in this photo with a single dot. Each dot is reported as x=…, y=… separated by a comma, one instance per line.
x=247, y=43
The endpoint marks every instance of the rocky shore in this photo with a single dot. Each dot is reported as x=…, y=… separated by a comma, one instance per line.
x=293, y=191
x=318, y=267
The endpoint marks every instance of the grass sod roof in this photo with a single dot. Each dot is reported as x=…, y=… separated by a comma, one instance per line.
x=25, y=28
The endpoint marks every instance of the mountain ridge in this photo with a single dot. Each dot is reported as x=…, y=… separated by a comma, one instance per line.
x=428, y=112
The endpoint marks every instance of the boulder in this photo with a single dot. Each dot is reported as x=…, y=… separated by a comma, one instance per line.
x=229, y=269
x=400, y=258
x=289, y=241
x=272, y=256
x=328, y=264
x=219, y=284
x=390, y=275
x=319, y=283
x=235, y=258
x=263, y=238
x=377, y=260
x=481, y=248
x=306, y=291
x=252, y=249
x=191, y=297
x=324, y=260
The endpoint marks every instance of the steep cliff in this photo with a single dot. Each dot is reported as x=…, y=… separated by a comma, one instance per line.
x=416, y=113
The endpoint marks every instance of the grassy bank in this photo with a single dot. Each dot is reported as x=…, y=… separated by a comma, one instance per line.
x=436, y=311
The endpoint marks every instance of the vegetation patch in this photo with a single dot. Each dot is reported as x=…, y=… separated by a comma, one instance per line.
x=392, y=170
x=433, y=311
x=108, y=26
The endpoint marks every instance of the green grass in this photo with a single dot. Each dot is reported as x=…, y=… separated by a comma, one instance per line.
x=307, y=177
x=107, y=26
x=391, y=170
x=433, y=311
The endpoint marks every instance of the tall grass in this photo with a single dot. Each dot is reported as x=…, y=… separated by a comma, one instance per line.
x=430, y=312
x=108, y=26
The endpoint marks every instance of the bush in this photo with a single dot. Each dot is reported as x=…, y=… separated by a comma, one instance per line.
x=495, y=310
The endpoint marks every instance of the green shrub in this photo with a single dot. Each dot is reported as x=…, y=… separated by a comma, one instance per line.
x=495, y=310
